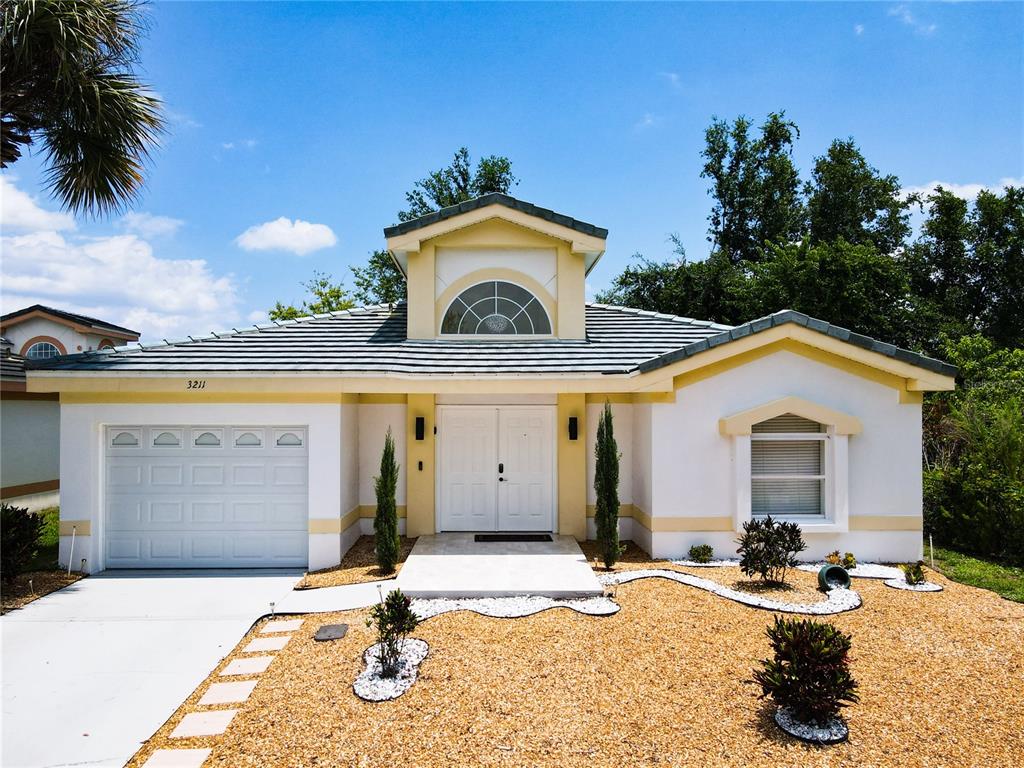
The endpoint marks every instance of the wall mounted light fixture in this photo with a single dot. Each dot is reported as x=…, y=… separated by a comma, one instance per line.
x=420, y=427
x=574, y=428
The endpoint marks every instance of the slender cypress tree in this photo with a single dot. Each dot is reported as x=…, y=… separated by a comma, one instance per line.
x=606, y=487
x=385, y=522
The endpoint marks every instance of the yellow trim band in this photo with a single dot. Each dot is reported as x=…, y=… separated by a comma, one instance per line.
x=886, y=523
x=82, y=527
x=369, y=511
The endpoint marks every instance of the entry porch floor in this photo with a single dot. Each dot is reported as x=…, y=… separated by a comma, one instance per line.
x=455, y=565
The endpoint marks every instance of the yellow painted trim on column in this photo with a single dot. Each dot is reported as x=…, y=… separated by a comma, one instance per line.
x=909, y=397
x=334, y=524
x=419, y=482
x=420, y=290
x=572, y=309
x=742, y=423
x=641, y=518
x=625, y=510
x=886, y=523
x=349, y=398
x=595, y=398
x=373, y=399
x=496, y=273
x=572, y=467
x=82, y=527
x=369, y=511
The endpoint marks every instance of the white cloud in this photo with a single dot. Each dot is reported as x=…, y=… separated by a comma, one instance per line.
x=904, y=14
x=858, y=29
x=118, y=278
x=645, y=122
x=967, y=191
x=149, y=225
x=20, y=212
x=300, y=237
x=672, y=78
x=243, y=144
x=257, y=316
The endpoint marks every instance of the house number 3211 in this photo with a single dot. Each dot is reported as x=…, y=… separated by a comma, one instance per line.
x=196, y=384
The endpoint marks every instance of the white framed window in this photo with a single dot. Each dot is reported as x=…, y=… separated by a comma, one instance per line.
x=496, y=308
x=792, y=468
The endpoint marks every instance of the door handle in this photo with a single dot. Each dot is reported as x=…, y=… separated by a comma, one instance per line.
x=501, y=468
x=501, y=479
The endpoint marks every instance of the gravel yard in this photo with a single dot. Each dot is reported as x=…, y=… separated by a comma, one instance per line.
x=358, y=565
x=661, y=683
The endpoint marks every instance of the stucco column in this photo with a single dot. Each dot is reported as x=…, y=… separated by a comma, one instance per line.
x=419, y=467
x=572, y=467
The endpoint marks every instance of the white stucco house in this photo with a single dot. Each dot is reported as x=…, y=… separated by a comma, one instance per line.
x=30, y=421
x=258, y=447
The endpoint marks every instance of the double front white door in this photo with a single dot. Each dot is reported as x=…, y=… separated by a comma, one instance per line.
x=496, y=468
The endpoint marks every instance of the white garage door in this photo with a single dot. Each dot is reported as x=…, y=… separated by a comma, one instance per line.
x=205, y=497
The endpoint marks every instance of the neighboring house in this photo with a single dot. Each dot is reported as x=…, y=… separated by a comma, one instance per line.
x=30, y=421
x=259, y=447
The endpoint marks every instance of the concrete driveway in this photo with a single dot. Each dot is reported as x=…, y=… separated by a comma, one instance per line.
x=90, y=672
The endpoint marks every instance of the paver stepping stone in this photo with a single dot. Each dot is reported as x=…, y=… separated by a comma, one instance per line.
x=264, y=644
x=177, y=758
x=253, y=665
x=331, y=632
x=228, y=693
x=210, y=723
x=281, y=625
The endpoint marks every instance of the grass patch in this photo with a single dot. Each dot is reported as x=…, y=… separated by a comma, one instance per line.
x=49, y=541
x=1004, y=580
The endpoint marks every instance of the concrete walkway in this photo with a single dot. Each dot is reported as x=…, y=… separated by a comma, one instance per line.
x=92, y=671
x=454, y=565
x=329, y=599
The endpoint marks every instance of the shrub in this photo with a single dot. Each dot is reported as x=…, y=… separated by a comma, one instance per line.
x=913, y=573
x=701, y=553
x=809, y=673
x=768, y=548
x=393, y=619
x=606, y=488
x=847, y=560
x=387, y=544
x=20, y=531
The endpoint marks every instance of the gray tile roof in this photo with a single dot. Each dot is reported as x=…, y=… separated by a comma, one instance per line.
x=12, y=368
x=91, y=322
x=371, y=340
x=791, y=316
x=491, y=199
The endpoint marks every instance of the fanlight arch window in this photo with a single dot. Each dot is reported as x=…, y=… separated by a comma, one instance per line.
x=42, y=350
x=496, y=308
x=207, y=439
x=166, y=439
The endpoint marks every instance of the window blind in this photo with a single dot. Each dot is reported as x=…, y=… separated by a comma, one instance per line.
x=787, y=475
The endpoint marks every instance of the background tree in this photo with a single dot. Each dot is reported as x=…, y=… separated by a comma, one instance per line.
x=379, y=282
x=848, y=199
x=324, y=296
x=66, y=81
x=387, y=544
x=457, y=183
x=606, y=488
x=754, y=185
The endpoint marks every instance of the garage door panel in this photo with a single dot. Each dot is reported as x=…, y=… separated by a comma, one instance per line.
x=207, y=496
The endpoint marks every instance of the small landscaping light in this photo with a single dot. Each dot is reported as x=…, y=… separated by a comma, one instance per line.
x=271, y=610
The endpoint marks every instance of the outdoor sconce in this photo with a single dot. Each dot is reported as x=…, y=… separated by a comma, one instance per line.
x=574, y=427
x=420, y=427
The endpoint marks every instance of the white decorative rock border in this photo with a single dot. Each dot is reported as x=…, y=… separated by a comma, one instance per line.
x=708, y=564
x=901, y=583
x=371, y=686
x=833, y=732
x=838, y=600
x=862, y=571
x=512, y=607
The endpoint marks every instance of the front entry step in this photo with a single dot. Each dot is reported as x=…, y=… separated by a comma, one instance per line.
x=496, y=538
x=454, y=565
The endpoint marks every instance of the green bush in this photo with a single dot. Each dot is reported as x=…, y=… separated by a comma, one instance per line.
x=809, y=673
x=387, y=544
x=606, y=488
x=768, y=548
x=393, y=619
x=913, y=573
x=974, y=454
x=701, y=553
x=20, y=531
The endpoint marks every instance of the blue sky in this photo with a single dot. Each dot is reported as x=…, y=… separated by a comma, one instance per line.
x=327, y=113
